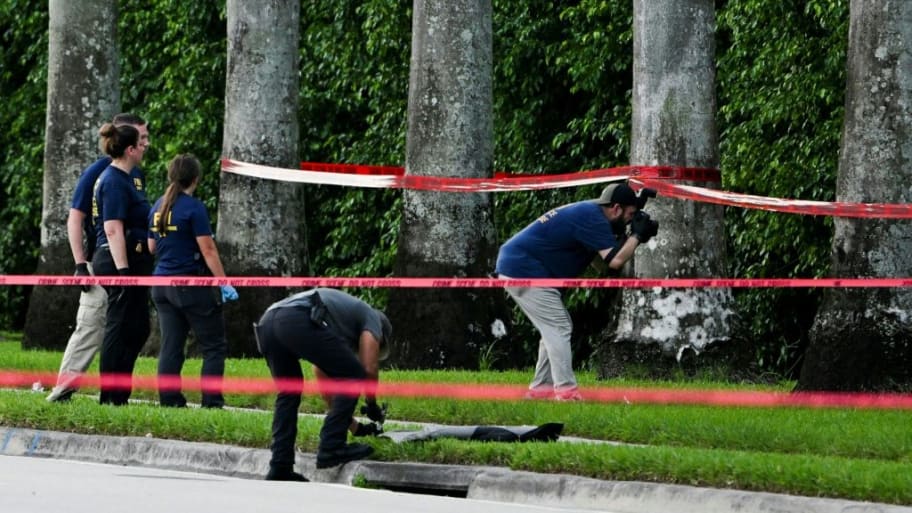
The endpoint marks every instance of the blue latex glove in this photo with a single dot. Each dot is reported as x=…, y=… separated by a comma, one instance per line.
x=228, y=293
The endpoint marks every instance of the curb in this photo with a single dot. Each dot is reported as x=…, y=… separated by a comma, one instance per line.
x=481, y=483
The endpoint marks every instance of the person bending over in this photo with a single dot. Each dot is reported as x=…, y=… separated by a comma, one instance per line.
x=346, y=339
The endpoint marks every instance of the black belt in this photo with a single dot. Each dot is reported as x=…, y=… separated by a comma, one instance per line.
x=138, y=247
x=318, y=311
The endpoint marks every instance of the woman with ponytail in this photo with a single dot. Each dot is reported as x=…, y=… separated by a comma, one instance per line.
x=181, y=238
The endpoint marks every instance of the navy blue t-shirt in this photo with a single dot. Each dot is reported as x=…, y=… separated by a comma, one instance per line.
x=84, y=193
x=559, y=244
x=122, y=197
x=177, y=250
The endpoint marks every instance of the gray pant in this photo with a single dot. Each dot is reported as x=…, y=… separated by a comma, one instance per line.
x=544, y=307
x=84, y=342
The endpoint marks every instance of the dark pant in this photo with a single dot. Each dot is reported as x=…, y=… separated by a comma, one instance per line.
x=181, y=309
x=286, y=336
x=126, y=326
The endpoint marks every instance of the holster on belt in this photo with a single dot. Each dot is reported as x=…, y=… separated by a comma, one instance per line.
x=318, y=312
x=257, y=337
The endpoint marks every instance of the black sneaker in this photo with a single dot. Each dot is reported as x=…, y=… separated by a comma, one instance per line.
x=344, y=454
x=284, y=474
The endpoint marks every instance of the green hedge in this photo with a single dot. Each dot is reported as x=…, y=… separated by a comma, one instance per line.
x=562, y=103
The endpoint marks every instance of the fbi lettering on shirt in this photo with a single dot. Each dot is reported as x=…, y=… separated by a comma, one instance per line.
x=169, y=226
x=547, y=216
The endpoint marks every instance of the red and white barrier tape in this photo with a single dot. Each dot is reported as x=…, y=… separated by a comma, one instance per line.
x=792, y=206
x=318, y=281
x=353, y=169
x=655, y=177
x=492, y=392
x=696, y=174
x=373, y=177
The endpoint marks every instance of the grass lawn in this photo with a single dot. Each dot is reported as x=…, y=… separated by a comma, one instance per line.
x=838, y=453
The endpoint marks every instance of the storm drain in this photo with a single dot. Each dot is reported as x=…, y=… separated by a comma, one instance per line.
x=417, y=478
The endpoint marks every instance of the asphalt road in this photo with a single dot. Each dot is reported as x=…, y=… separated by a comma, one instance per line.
x=39, y=485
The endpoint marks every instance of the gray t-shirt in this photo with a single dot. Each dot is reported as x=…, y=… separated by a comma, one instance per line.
x=350, y=315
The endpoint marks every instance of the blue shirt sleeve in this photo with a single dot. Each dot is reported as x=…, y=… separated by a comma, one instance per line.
x=82, y=196
x=116, y=201
x=199, y=220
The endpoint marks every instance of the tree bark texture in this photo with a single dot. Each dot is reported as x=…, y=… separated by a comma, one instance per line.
x=862, y=338
x=450, y=133
x=261, y=223
x=674, y=108
x=83, y=93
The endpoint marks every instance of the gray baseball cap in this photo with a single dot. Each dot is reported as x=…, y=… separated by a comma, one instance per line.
x=619, y=193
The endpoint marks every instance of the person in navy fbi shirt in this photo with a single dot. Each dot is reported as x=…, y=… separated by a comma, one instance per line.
x=119, y=212
x=180, y=237
x=87, y=337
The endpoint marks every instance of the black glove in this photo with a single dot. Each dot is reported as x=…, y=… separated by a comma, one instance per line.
x=643, y=227
x=83, y=270
x=368, y=430
x=116, y=293
x=374, y=411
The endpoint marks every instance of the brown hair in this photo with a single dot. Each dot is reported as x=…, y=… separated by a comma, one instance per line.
x=126, y=118
x=116, y=139
x=182, y=171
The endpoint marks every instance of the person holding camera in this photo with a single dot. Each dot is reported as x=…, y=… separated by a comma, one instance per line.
x=561, y=244
x=345, y=338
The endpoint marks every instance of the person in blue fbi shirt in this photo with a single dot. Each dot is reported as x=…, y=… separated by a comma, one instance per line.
x=119, y=212
x=180, y=236
x=87, y=336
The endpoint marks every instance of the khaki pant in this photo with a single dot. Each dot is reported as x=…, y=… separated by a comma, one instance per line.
x=84, y=342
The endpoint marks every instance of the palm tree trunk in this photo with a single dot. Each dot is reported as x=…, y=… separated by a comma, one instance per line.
x=83, y=93
x=674, y=109
x=260, y=223
x=862, y=338
x=450, y=133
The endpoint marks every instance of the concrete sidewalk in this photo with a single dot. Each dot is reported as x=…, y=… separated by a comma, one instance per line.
x=485, y=483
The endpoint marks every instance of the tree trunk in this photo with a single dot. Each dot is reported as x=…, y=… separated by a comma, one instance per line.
x=83, y=93
x=674, y=108
x=450, y=133
x=862, y=338
x=260, y=222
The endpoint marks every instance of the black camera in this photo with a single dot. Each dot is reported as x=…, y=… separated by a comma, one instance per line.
x=643, y=226
x=644, y=194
